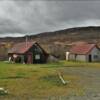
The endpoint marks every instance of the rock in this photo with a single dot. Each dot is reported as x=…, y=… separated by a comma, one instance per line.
x=3, y=91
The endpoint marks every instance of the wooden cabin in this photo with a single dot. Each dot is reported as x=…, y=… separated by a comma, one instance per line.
x=30, y=52
x=84, y=52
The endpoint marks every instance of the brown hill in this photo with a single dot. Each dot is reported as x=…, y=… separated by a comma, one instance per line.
x=58, y=42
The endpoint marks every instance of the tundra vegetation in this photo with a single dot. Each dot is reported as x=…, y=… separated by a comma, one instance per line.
x=41, y=81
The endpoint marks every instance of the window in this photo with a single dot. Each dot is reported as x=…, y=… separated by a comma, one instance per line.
x=95, y=56
x=37, y=57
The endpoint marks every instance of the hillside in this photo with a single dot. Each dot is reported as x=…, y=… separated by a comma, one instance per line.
x=71, y=34
x=51, y=41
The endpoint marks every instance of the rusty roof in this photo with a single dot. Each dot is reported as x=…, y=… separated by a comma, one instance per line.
x=21, y=48
x=82, y=48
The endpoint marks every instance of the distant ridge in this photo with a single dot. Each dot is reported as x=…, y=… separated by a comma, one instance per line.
x=71, y=34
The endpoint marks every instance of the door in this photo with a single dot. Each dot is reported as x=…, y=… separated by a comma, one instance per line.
x=90, y=58
x=29, y=58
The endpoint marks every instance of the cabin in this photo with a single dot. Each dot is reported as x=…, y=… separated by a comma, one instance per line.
x=27, y=52
x=84, y=52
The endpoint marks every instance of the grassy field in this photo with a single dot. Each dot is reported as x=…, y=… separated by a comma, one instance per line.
x=41, y=81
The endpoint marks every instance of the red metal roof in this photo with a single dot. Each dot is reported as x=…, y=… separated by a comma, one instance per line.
x=21, y=47
x=82, y=48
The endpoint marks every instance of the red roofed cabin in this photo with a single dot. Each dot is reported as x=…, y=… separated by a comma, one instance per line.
x=84, y=52
x=30, y=52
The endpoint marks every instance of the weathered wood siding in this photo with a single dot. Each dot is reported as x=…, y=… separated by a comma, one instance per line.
x=95, y=56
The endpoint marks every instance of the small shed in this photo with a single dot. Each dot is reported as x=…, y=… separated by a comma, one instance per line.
x=27, y=52
x=84, y=52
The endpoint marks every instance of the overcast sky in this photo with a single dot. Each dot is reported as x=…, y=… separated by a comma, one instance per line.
x=20, y=17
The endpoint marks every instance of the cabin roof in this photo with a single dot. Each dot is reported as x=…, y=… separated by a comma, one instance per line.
x=82, y=48
x=21, y=48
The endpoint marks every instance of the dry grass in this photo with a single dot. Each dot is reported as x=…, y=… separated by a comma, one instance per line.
x=41, y=80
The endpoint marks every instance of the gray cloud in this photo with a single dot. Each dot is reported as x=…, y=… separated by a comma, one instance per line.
x=31, y=16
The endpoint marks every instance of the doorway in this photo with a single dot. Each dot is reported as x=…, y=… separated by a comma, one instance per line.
x=90, y=58
x=29, y=58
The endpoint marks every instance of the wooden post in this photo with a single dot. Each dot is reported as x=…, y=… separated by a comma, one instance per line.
x=26, y=41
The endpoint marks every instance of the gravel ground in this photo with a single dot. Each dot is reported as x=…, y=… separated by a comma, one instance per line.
x=90, y=80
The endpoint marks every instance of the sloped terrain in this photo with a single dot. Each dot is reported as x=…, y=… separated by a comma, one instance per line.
x=58, y=42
